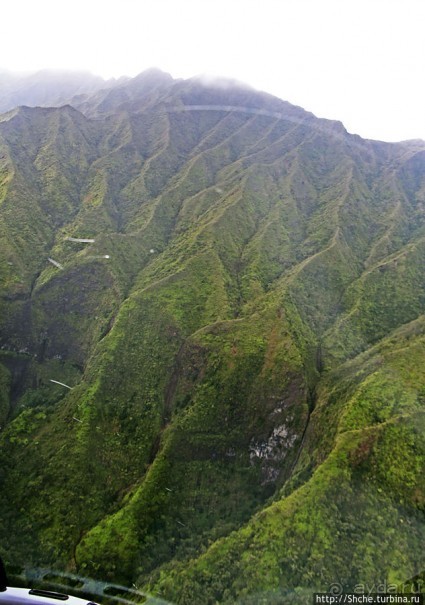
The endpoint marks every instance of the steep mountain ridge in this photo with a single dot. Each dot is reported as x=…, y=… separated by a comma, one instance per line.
x=244, y=341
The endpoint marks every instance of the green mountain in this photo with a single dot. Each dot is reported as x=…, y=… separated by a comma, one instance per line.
x=242, y=344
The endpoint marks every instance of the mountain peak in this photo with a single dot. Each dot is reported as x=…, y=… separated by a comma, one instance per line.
x=153, y=74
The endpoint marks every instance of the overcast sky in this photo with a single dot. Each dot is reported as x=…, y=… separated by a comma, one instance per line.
x=358, y=61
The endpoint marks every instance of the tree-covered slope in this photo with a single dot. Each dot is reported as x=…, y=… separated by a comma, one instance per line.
x=243, y=335
x=352, y=514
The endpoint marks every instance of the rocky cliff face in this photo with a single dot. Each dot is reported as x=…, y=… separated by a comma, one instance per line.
x=243, y=340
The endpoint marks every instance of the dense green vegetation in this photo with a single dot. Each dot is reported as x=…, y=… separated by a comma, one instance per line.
x=244, y=341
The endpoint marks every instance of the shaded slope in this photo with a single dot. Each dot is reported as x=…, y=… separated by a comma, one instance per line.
x=315, y=537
